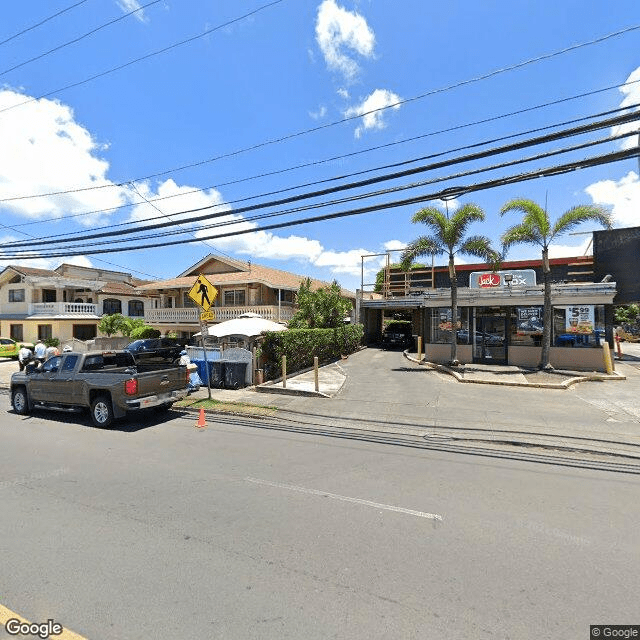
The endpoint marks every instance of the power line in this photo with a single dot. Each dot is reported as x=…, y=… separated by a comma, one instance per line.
x=82, y=37
x=145, y=57
x=450, y=192
x=550, y=137
x=349, y=198
x=38, y=24
x=318, y=162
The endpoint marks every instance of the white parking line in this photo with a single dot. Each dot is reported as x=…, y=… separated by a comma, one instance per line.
x=325, y=494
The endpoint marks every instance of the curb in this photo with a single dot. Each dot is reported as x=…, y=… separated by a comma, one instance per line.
x=540, y=385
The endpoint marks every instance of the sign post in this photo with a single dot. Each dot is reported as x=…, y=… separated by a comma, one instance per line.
x=203, y=293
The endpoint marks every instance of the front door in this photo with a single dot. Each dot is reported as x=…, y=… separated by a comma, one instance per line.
x=490, y=338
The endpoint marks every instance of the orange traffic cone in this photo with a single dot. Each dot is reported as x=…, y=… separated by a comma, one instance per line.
x=201, y=421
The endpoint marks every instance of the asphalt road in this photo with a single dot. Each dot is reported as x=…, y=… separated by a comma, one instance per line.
x=160, y=530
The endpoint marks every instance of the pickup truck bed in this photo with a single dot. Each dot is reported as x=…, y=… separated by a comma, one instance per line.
x=109, y=384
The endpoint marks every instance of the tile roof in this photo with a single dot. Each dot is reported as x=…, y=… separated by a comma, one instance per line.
x=120, y=288
x=275, y=278
x=31, y=271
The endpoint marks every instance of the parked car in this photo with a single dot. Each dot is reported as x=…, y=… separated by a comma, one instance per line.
x=155, y=350
x=107, y=383
x=397, y=335
x=9, y=348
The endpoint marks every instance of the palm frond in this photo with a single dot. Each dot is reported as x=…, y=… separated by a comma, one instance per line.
x=422, y=246
x=435, y=219
x=582, y=213
x=533, y=214
x=480, y=247
x=460, y=221
x=520, y=234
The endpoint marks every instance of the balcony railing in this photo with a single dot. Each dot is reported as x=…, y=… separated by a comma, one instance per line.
x=191, y=315
x=62, y=308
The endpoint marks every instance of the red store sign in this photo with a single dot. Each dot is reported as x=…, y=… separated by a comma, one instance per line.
x=487, y=280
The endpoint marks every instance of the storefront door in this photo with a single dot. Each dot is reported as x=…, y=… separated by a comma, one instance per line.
x=490, y=337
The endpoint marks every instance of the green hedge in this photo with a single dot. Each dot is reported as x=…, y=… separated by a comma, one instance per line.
x=301, y=345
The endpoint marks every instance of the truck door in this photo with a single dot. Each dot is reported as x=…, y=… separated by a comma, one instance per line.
x=42, y=382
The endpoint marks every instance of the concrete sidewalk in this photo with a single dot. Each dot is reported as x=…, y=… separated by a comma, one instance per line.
x=381, y=392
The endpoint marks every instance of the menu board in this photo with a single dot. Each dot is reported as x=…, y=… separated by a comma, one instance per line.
x=580, y=319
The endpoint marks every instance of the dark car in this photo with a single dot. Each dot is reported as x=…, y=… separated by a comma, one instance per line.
x=397, y=335
x=155, y=350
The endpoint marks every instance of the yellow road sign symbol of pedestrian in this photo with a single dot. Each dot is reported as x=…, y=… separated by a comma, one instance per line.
x=203, y=293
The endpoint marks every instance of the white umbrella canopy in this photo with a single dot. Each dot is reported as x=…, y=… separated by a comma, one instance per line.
x=246, y=327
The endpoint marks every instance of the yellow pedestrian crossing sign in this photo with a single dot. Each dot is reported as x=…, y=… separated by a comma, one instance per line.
x=203, y=293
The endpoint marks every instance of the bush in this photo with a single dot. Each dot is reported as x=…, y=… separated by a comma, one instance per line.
x=51, y=342
x=301, y=345
x=142, y=333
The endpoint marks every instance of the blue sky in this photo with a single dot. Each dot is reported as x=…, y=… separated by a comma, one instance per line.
x=288, y=68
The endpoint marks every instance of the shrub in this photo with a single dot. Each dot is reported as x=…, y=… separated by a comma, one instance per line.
x=301, y=345
x=51, y=342
x=142, y=333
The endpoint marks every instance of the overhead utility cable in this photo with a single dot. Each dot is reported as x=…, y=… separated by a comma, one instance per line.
x=38, y=24
x=451, y=192
x=145, y=57
x=325, y=180
x=353, y=198
x=551, y=137
x=318, y=162
x=82, y=37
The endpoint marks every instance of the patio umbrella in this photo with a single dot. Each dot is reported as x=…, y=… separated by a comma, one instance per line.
x=245, y=327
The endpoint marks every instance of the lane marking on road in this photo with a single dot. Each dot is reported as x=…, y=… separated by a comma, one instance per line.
x=7, y=614
x=326, y=494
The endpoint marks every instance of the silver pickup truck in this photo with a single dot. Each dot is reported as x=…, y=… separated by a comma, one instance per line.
x=108, y=384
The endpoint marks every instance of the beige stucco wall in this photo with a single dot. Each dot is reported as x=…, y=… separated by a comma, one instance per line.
x=61, y=329
x=441, y=353
x=573, y=358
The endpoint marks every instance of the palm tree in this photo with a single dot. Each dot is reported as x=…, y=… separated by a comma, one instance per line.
x=536, y=229
x=448, y=238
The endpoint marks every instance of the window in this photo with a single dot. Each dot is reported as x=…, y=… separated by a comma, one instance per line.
x=70, y=363
x=441, y=325
x=136, y=308
x=44, y=331
x=526, y=326
x=16, y=295
x=85, y=331
x=234, y=298
x=16, y=333
x=52, y=364
x=48, y=295
x=578, y=325
x=111, y=306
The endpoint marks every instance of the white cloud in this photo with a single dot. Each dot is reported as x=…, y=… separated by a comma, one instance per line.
x=45, y=150
x=174, y=200
x=623, y=196
x=320, y=113
x=631, y=96
x=372, y=118
x=343, y=93
x=568, y=250
x=131, y=5
x=339, y=33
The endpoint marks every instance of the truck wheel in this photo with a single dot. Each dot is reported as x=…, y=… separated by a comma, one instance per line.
x=19, y=401
x=101, y=412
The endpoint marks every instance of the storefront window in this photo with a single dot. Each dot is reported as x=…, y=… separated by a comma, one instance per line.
x=578, y=325
x=441, y=325
x=526, y=326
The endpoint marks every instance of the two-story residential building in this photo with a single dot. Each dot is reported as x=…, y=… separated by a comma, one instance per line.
x=66, y=302
x=242, y=287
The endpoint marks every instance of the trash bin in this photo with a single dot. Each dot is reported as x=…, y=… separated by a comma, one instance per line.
x=202, y=372
x=217, y=370
x=235, y=374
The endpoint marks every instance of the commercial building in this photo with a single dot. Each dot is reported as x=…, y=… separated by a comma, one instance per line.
x=500, y=314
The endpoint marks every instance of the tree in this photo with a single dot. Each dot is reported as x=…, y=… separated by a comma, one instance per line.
x=129, y=325
x=448, y=238
x=111, y=324
x=324, y=308
x=536, y=229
